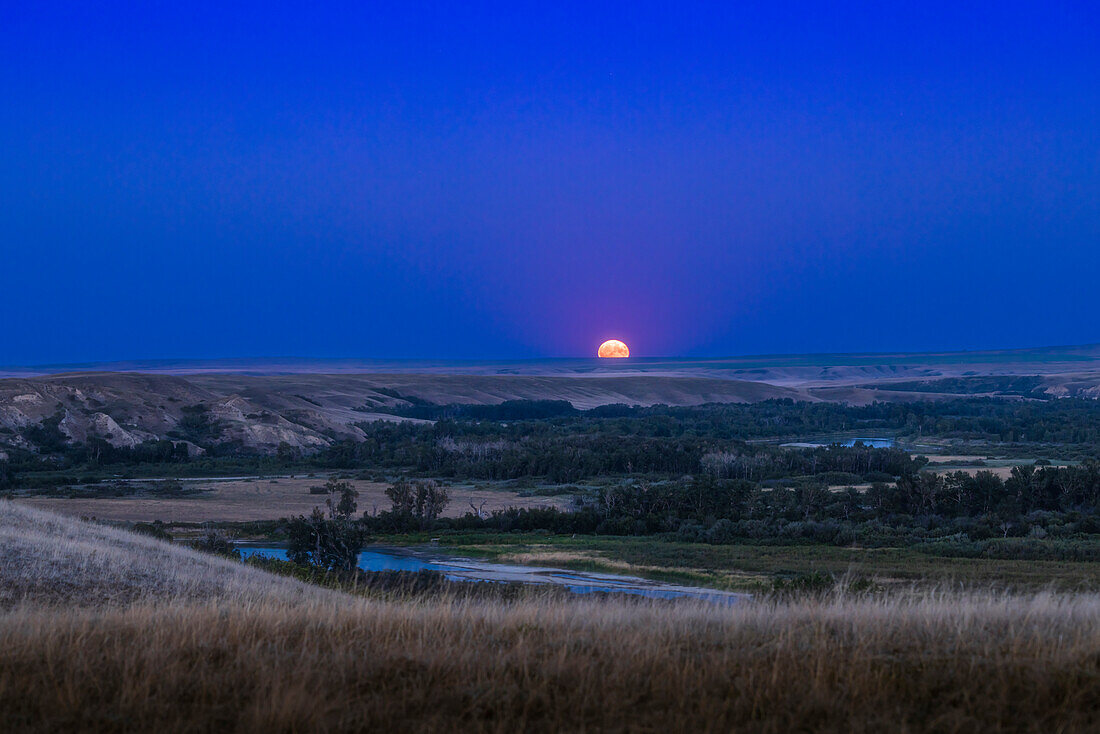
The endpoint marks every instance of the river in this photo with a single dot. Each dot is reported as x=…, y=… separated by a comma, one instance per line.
x=466, y=569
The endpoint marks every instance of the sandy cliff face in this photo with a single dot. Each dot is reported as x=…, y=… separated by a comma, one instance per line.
x=127, y=409
x=308, y=411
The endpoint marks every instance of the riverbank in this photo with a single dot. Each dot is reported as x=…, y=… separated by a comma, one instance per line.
x=413, y=559
x=1016, y=564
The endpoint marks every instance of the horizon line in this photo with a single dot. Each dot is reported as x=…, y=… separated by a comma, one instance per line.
x=476, y=360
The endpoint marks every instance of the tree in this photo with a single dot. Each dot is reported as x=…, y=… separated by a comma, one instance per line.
x=285, y=453
x=419, y=500
x=331, y=545
x=47, y=434
x=343, y=507
x=218, y=542
x=196, y=426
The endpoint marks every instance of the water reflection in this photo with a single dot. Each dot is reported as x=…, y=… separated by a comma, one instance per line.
x=464, y=569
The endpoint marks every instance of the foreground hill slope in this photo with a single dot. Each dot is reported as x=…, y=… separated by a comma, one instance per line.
x=115, y=632
x=51, y=559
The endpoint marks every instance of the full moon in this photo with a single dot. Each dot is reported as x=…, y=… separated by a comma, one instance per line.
x=614, y=349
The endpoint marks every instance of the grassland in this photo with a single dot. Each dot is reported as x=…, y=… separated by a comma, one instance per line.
x=940, y=664
x=259, y=498
x=51, y=559
x=108, y=631
x=756, y=567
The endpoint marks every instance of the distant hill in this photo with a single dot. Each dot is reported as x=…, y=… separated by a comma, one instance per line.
x=308, y=404
x=784, y=369
x=308, y=411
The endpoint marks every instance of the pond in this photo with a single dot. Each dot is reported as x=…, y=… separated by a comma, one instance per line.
x=465, y=569
x=877, y=443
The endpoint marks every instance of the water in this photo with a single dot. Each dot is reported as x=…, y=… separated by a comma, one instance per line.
x=465, y=569
x=368, y=560
x=877, y=443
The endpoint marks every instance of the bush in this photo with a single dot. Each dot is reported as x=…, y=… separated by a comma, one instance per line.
x=621, y=526
x=153, y=529
x=218, y=543
x=330, y=545
x=691, y=532
x=722, y=531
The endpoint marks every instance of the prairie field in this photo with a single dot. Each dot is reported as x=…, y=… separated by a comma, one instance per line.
x=245, y=500
x=103, y=630
x=754, y=567
x=48, y=559
x=933, y=663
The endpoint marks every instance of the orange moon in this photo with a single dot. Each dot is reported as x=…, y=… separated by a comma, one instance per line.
x=614, y=349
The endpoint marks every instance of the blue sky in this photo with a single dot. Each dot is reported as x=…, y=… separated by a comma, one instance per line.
x=509, y=180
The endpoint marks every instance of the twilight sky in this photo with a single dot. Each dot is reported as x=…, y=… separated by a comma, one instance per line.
x=476, y=180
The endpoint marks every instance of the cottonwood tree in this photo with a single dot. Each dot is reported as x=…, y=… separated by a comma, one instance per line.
x=421, y=500
x=331, y=543
x=341, y=501
x=328, y=544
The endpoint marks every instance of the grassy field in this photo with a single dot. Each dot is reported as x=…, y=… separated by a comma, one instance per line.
x=51, y=559
x=948, y=663
x=754, y=567
x=253, y=499
x=102, y=630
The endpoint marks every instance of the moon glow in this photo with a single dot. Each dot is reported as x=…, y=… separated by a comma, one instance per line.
x=613, y=349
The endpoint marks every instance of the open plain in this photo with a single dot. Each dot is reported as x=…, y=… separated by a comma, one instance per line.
x=248, y=500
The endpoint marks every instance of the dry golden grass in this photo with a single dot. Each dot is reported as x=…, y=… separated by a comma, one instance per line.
x=260, y=654
x=47, y=558
x=929, y=664
x=265, y=499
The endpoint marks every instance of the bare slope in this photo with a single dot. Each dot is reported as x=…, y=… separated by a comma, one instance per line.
x=308, y=411
x=365, y=392
x=128, y=408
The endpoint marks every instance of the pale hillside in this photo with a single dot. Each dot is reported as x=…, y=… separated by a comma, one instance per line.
x=47, y=558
